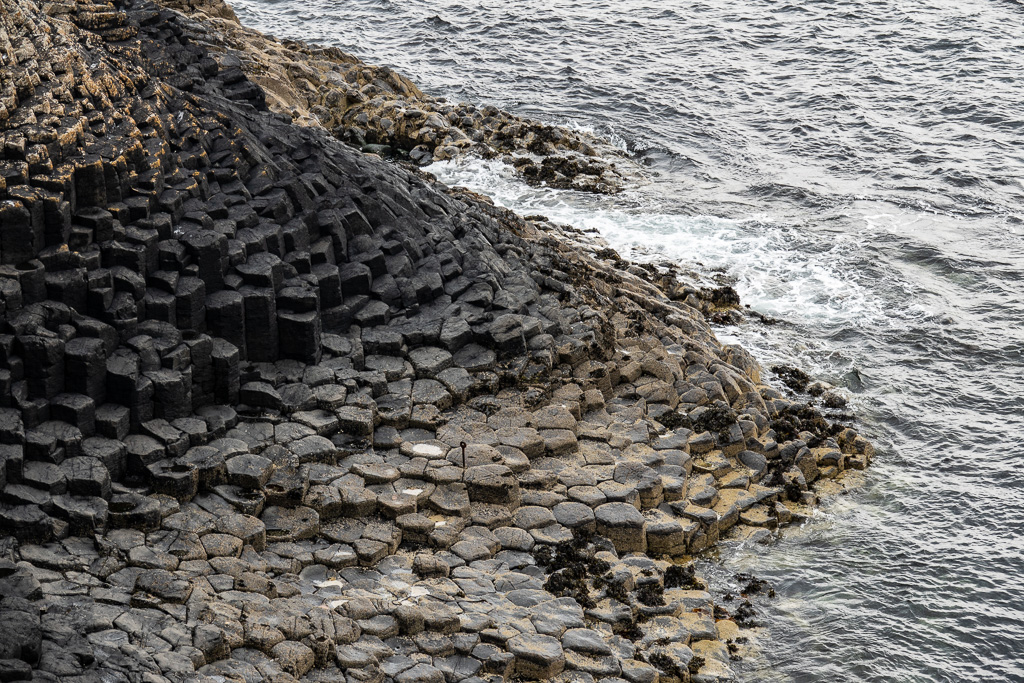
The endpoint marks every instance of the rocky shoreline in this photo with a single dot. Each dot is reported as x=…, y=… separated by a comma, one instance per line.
x=380, y=111
x=274, y=408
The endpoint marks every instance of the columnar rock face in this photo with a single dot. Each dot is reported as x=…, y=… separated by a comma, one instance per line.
x=383, y=112
x=271, y=408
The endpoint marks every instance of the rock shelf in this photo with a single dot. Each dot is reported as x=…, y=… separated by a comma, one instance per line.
x=380, y=111
x=274, y=409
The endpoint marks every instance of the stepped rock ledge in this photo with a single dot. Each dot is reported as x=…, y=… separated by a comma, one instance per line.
x=275, y=408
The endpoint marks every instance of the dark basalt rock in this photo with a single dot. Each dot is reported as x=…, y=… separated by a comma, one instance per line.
x=794, y=378
x=238, y=359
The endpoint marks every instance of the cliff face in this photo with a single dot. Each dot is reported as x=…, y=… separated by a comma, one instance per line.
x=272, y=407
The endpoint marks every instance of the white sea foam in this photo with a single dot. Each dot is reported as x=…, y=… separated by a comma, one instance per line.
x=780, y=269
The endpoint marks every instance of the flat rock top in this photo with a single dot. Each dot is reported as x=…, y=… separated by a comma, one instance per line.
x=539, y=648
x=619, y=515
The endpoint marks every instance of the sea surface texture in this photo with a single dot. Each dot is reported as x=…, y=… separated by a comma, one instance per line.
x=856, y=167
